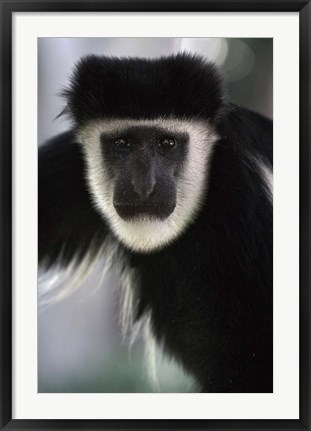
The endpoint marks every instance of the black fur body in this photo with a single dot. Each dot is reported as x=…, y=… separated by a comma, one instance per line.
x=209, y=293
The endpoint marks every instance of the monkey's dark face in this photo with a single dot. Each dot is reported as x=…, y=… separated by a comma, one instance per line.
x=144, y=163
x=147, y=177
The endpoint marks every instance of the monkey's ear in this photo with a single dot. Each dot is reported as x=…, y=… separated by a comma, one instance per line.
x=69, y=227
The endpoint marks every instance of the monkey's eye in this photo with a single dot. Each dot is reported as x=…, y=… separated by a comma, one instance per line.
x=122, y=144
x=167, y=144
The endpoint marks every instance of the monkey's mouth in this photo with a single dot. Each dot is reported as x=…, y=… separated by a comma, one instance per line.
x=155, y=210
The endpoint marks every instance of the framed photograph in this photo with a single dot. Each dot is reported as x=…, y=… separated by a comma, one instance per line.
x=155, y=215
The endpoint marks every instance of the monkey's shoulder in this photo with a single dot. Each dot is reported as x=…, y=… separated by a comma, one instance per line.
x=248, y=131
x=69, y=225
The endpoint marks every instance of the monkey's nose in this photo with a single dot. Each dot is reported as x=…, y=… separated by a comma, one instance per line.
x=143, y=186
x=143, y=179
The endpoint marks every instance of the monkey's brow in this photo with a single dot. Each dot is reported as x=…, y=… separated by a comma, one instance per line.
x=139, y=129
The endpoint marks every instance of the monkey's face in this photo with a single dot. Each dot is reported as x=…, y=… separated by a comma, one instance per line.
x=147, y=178
x=144, y=164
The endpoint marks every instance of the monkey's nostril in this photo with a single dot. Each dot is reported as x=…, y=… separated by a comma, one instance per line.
x=143, y=186
x=143, y=191
x=146, y=193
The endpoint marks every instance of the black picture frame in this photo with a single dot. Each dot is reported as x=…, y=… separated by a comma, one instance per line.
x=7, y=10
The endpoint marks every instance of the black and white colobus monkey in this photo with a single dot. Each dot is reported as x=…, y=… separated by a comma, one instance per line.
x=159, y=166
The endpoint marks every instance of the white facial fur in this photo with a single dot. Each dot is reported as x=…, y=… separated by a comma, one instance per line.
x=145, y=234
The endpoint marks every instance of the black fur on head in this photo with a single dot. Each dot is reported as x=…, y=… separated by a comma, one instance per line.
x=177, y=86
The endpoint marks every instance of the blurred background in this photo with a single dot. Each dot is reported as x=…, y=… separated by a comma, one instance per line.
x=80, y=348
